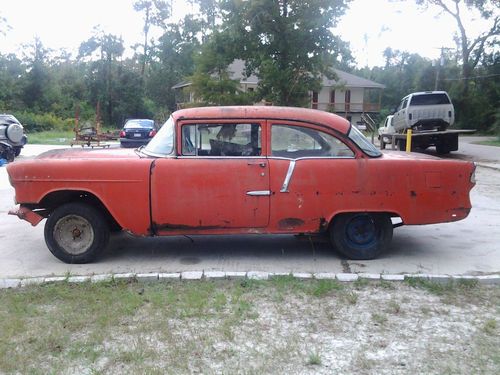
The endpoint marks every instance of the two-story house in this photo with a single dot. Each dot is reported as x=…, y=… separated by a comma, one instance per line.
x=348, y=95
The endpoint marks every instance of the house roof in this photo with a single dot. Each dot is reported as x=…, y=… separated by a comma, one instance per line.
x=237, y=67
x=350, y=80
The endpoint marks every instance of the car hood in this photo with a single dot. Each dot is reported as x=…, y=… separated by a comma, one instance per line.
x=88, y=153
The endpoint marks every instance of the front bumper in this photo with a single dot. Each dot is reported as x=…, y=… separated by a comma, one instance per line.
x=25, y=213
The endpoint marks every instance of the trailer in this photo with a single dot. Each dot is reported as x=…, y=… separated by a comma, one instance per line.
x=444, y=141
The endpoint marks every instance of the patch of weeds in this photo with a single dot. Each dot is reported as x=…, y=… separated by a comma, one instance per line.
x=252, y=284
x=220, y=301
x=393, y=307
x=351, y=297
x=384, y=284
x=490, y=327
x=361, y=283
x=362, y=362
x=379, y=319
x=425, y=310
x=314, y=359
x=323, y=287
x=451, y=292
x=467, y=284
x=286, y=284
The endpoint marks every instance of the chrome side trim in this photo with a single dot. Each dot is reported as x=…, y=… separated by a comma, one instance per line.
x=259, y=193
x=288, y=177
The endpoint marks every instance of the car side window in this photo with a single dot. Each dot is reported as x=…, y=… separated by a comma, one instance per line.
x=298, y=142
x=234, y=139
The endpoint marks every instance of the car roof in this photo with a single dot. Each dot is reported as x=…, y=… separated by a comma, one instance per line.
x=265, y=112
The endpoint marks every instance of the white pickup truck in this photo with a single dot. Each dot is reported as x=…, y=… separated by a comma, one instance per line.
x=429, y=114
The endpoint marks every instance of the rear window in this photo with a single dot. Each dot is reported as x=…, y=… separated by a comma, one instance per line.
x=430, y=99
x=139, y=124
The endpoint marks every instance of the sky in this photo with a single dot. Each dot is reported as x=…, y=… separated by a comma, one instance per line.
x=369, y=26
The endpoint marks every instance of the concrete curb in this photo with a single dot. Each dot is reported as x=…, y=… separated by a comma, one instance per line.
x=493, y=279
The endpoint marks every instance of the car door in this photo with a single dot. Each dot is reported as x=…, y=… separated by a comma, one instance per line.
x=311, y=172
x=218, y=182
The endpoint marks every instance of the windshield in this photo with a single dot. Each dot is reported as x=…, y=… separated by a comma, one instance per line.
x=163, y=142
x=139, y=124
x=364, y=144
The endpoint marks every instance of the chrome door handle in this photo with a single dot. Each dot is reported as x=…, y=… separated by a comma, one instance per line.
x=262, y=164
x=259, y=193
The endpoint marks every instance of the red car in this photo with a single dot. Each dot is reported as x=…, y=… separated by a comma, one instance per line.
x=235, y=170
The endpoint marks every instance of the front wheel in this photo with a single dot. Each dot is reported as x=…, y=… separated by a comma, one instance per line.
x=76, y=233
x=361, y=236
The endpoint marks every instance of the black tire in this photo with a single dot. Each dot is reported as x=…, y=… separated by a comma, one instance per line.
x=442, y=150
x=402, y=145
x=17, y=151
x=382, y=144
x=361, y=236
x=76, y=233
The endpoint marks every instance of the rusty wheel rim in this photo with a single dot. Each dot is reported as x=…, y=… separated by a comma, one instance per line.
x=74, y=234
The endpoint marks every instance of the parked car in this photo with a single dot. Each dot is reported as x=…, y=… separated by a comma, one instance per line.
x=137, y=132
x=385, y=132
x=12, y=137
x=240, y=170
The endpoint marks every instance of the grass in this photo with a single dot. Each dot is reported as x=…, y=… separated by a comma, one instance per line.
x=494, y=142
x=314, y=359
x=249, y=326
x=51, y=137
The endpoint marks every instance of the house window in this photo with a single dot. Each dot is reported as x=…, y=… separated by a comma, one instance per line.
x=250, y=89
x=314, y=102
x=348, y=100
x=332, y=100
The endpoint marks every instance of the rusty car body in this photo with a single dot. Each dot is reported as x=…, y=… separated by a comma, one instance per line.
x=240, y=170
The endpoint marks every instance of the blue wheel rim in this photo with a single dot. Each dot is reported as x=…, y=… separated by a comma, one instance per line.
x=361, y=232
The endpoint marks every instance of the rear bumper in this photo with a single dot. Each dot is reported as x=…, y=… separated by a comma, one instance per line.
x=130, y=142
x=25, y=213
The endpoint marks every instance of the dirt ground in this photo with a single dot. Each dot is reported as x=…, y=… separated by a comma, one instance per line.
x=282, y=326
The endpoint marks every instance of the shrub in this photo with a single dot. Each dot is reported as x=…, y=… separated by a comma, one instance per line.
x=34, y=122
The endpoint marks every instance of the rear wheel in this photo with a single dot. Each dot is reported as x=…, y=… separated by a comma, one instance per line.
x=361, y=236
x=76, y=233
x=442, y=149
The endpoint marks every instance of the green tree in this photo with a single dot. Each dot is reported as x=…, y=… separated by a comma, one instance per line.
x=471, y=49
x=10, y=88
x=288, y=44
x=212, y=82
x=36, y=80
x=172, y=61
x=103, y=73
x=155, y=13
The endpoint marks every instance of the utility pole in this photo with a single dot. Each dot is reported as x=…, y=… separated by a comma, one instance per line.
x=439, y=65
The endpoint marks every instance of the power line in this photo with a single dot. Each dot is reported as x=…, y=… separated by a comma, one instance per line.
x=474, y=77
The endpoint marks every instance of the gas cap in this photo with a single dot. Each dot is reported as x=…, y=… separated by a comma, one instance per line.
x=15, y=133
